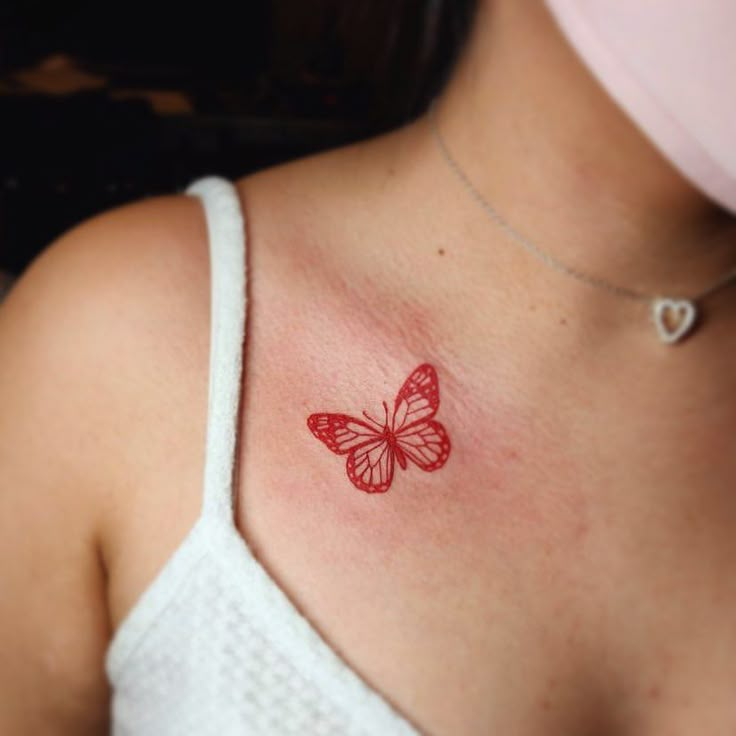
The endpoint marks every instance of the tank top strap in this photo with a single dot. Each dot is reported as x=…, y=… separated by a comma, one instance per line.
x=227, y=245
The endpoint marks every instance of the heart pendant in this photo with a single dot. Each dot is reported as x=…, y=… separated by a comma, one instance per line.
x=674, y=318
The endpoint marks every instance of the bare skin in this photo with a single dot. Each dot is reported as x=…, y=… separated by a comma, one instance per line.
x=571, y=569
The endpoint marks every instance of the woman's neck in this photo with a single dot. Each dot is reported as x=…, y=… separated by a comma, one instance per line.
x=541, y=139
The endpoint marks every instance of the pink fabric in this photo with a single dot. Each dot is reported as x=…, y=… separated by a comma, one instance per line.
x=671, y=66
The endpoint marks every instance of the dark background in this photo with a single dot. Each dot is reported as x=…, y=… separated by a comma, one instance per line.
x=103, y=103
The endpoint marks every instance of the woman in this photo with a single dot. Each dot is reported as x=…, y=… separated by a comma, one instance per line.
x=557, y=557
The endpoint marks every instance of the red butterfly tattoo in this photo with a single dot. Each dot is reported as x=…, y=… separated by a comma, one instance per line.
x=373, y=448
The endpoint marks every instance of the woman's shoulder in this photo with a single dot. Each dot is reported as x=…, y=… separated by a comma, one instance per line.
x=76, y=342
x=91, y=327
x=120, y=302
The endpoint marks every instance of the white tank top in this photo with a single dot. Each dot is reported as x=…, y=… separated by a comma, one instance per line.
x=214, y=647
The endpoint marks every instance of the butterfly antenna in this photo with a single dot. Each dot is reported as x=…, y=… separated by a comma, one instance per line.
x=385, y=411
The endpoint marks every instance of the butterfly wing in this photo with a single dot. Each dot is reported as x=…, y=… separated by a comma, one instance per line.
x=370, y=467
x=423, y=440
x=418, y=399
x=425, y=443
x=340, y=432
x=370, y=463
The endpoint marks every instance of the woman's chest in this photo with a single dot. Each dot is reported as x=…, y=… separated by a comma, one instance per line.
x=472, y=624
x=500, y=593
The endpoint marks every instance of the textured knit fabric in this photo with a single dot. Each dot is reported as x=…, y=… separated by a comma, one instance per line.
x=214, y=647
x=671, y=66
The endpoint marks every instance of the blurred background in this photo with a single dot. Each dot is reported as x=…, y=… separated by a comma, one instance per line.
x=104, y=103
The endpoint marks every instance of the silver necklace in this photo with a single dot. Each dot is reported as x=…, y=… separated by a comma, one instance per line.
x=673, y=317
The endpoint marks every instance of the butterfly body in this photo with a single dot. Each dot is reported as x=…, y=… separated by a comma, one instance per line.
x=373, y=447
x=387, y=432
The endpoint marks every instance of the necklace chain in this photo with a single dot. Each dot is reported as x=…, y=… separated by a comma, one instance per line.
x=547, y=258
